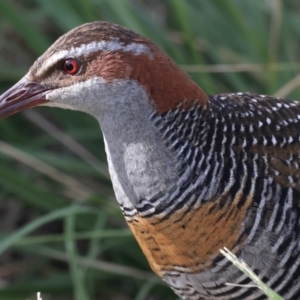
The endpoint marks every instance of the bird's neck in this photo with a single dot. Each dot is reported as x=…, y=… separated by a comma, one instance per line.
x=141, y=166
x=149, y=153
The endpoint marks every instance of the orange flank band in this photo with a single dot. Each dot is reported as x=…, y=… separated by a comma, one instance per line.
x=190, y=240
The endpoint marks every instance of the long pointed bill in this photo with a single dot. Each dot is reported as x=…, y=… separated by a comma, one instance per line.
x=24, y=94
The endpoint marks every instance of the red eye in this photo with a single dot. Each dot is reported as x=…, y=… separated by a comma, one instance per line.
x=70, y=66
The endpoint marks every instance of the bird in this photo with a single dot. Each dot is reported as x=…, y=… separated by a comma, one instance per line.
x=192, y=172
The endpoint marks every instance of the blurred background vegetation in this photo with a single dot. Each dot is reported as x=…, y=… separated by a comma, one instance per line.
x=61, y=231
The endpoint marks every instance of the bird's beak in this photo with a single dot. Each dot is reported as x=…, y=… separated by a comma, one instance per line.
x=24, y=94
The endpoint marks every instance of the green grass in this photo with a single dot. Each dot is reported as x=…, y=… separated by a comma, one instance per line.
x=60, y=227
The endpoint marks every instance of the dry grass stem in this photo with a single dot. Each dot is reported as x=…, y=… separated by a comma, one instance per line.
x=67, y=141
x=75, y=188
x=244, y=67
x=102, y=265
x=288, y=87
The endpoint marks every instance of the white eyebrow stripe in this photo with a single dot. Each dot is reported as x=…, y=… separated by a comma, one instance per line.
x=106, y=46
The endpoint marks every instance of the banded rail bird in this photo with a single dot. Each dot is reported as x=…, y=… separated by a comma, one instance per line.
x=192, y=173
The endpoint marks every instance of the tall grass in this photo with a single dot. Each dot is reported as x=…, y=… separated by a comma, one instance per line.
x=60, y=228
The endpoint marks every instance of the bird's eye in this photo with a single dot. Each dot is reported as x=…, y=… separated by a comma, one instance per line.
x=71, y=66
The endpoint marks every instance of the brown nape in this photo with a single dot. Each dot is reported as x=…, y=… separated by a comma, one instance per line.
x=167, y=85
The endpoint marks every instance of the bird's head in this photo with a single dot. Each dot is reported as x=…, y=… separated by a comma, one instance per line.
x=96, y=66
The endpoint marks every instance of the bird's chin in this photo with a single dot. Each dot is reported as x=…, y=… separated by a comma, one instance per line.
x=24, y=94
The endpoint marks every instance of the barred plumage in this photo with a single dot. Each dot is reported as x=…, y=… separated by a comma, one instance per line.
x=239, y=152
